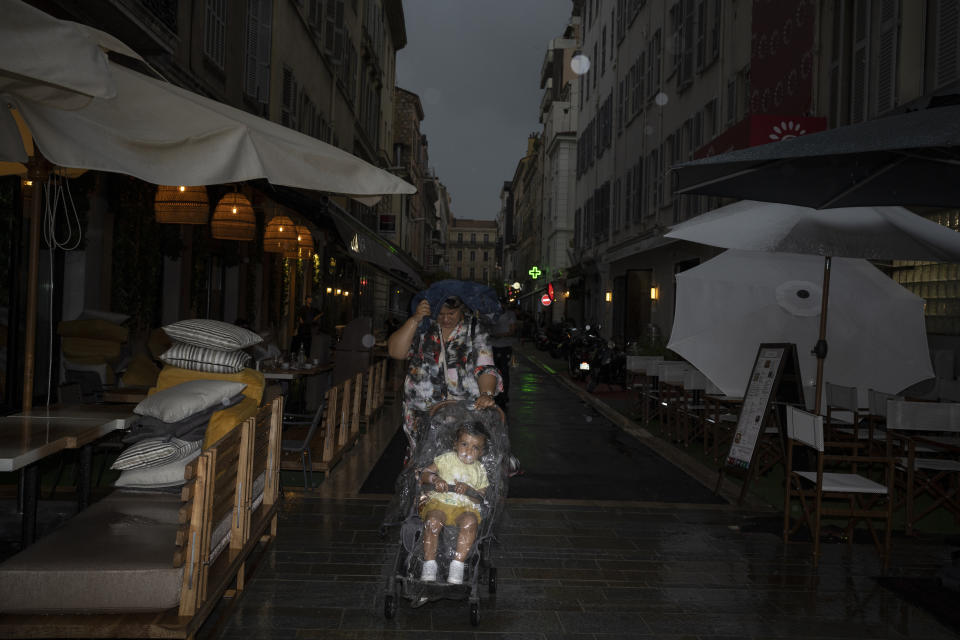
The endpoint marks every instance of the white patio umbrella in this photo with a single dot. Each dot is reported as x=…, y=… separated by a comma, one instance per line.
x=83, y=111
x=876, y=233
x=729, y=305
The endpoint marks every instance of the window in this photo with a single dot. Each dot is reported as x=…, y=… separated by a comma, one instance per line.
x=603, y=52
x=289, y=100
x=459, y=273
x=473, y=256
x=460, y=237
x=460, y=254
x=486, y=237
x=473, y=238
x=256, y=76
x=388, y=223
x=486, y=256
x=473, y=273
x=333, y=29
x=214, y=31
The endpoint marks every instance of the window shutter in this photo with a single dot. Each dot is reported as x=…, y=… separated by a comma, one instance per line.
x=858, y=80
x=947, y=46
x=887, y=56
x=251, y=50
x=263, y=51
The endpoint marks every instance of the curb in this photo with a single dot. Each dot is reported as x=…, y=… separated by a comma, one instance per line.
x=728, y=490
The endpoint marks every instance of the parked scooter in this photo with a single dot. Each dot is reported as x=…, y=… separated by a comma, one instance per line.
x=582, y=346
x=608, y=365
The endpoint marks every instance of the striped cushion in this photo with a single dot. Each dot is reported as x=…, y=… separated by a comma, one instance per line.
x=212, y=334
x=195, y=358
x=154, y=452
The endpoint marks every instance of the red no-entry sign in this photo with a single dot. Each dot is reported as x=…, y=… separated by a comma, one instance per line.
x=545, y=300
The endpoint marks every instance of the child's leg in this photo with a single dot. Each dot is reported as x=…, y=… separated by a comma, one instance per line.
x=467, y=524
x=434, y=522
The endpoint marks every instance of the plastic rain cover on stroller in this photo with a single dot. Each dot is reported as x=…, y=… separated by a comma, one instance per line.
x=438, y=437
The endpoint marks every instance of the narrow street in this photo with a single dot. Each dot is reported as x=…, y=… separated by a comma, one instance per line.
x=601, y=538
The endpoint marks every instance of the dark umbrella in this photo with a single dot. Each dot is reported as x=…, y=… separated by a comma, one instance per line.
x=478, y=297
x=906, y=159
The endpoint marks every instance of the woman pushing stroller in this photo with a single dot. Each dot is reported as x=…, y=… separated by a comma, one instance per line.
x=450, y=359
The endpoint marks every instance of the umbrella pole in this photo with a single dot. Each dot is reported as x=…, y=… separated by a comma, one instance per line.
x=820, y=349
x=37, y=171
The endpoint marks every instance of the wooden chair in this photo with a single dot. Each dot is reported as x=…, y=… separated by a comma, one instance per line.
x=669, y=395
x=835, y=487
x=692, y=407
x=875, y=420
x=645, y=380
x=924, y=439
x=843, y=413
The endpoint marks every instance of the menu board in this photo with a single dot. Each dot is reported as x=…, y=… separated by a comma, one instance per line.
x=764, y=379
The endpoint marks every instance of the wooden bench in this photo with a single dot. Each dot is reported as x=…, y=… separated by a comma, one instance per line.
x=59, y=587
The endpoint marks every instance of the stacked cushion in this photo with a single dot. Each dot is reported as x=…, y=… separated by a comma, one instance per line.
x=222, y=420
x=167, y=435
x=210, y=346
x=92, y=344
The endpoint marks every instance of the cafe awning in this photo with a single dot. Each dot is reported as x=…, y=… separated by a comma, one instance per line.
x=362, y=243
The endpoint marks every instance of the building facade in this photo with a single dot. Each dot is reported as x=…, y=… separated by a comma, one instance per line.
x=667, y=81
x=471, y=250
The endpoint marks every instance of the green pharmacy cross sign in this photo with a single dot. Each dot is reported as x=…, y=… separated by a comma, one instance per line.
x=534, y=272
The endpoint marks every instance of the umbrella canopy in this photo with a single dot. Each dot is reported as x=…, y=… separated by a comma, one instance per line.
x=874, y=233
x=728, y=306
x=905, y=159
x=163, y=134
x=478, y=297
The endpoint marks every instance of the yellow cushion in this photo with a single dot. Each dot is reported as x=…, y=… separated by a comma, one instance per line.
x=171, y=376
x=93, y=328
x=222, y=422
x=141, y=372
x=75, y=348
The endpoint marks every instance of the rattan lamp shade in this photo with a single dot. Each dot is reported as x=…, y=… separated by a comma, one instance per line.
x=304, y=243
x=233, y=219
x=280, y=235
x=181, y=205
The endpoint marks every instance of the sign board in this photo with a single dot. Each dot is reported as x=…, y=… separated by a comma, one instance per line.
x=545, y=300
x=773, y=361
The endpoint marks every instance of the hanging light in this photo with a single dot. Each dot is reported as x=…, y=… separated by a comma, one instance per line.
x=304, y=247
x=233, y=219
x=280, y=236
x=181, y=205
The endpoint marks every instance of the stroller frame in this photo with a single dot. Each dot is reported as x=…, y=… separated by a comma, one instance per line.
x=404, y=582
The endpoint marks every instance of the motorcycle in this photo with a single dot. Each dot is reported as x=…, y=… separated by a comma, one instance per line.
x=608, y=365
x=583, y=344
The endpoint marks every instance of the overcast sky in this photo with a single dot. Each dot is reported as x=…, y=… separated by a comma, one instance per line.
x=476, y=66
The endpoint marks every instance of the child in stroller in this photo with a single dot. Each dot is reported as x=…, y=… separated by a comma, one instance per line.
x=447, y=501
x=458, y=480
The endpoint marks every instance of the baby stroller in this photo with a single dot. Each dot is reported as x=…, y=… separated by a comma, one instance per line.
x=435, y=438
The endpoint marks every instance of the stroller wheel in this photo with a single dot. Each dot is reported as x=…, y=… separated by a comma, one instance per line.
x=389, y=606
x=492, y=579
x=474, y=614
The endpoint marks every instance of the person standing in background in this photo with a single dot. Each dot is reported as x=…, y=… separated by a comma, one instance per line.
x=503, y=339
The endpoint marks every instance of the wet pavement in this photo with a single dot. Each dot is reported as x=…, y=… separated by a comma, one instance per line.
x=673, y=561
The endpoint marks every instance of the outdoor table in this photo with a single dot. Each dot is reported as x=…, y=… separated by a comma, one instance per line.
x=26, y=439
x=294, y=374
x=126, y=395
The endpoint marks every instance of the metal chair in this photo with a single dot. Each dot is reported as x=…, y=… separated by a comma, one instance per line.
x=302, y=446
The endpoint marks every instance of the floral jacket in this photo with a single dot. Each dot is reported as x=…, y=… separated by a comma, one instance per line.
x=433, y=366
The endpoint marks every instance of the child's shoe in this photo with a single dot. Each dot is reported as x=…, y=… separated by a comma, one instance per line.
x=429, y=573
x=456, y=572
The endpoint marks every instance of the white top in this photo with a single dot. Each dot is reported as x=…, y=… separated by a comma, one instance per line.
x=507, y=318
